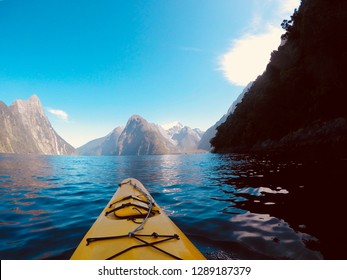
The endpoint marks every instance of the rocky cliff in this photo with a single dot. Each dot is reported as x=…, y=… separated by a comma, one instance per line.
x=25, y=129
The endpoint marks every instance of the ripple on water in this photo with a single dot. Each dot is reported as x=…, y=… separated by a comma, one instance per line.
x=271, y=236
x=232, y=207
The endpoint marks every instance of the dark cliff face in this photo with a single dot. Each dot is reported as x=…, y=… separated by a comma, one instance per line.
x=302, y=91
x=26, y=130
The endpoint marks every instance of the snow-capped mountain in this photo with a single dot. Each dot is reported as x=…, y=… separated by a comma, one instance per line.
x=172, y=128
x=140, y=137
x=185, y=138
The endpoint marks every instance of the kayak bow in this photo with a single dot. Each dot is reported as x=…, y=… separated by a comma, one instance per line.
x=132, y=226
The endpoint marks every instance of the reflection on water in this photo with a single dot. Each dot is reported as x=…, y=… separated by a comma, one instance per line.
x=272, y=236
x=24, y=171
x=231, y=206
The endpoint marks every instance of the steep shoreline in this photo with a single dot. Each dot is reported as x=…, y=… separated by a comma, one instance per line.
x=297, y=105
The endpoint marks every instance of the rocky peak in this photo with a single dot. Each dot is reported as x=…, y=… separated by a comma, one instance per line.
x=172, y=128
x=136, y=118
x=187, y=139
x=30, y=106
x=140, y=137
x=26, y=129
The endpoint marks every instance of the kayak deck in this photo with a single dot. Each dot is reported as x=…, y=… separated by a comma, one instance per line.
x=132, y=226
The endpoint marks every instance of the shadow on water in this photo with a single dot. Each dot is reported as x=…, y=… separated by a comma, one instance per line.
x=304, y=198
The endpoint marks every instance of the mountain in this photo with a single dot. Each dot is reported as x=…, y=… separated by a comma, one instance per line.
x=110, y=145
x=204, y=143
x=106, y=145
x=199, y=132
x=140, y=137
x=187, y=139
x=297, y=106
x=172, y=128
x=25, y=129
x=92, y=148
x=239, y=98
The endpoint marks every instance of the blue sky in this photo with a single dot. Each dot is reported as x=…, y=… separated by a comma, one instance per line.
x=93, y=64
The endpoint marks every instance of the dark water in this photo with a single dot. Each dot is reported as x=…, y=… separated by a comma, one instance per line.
x=231, y=206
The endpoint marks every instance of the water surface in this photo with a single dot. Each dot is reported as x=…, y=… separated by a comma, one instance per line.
x=230, y=206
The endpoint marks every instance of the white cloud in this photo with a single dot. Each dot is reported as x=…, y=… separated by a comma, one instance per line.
x=248, y=55
x=288, y=6
x=59, y=113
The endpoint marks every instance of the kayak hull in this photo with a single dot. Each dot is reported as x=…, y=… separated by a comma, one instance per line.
x=133, y=227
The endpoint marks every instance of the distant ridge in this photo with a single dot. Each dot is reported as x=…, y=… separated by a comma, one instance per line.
x=103, y=146
x=140, y=137
x=204, y=143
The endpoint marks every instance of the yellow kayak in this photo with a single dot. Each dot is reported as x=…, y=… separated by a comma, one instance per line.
x=134, y=227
